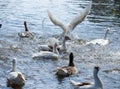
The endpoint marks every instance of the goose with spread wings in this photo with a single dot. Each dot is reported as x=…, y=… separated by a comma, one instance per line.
x=67, y=29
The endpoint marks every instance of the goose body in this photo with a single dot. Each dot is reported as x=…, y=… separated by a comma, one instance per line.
x=88, y=85
x=45, y=47
x=101, y=42
x=15, y=79
x=51, y=41
x=67, y=70
x=47, y=54
x=67, y=29
x=27, y=33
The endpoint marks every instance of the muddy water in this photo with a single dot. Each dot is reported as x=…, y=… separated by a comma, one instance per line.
x=40, y=73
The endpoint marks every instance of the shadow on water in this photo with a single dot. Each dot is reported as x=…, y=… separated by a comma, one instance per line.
x=40, y=73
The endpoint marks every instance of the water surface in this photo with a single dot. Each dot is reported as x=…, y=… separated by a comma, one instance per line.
x=40, y=74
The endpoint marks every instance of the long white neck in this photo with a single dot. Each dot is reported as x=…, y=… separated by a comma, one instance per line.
x=97, y=80
x=14, y=65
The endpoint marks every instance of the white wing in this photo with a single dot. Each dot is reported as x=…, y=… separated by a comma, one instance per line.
x=58, y=23
x=78, y=19
x=75, y=83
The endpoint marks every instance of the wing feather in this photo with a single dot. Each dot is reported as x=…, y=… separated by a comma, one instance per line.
x=56, y=22
x=78, y=19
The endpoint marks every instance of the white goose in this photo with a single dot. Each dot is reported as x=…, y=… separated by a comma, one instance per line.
x=101, y=42
x=47, y=54
x=60, y=47
x=27, y=33
x=86, y=85
x=15, y=79
x=67, y=29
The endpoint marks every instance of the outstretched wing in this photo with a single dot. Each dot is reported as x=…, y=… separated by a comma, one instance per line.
x=78, y=19
x=55, y=21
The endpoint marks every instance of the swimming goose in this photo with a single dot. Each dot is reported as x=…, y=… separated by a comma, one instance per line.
x=86, y=85
x=60, y=47
x=67, y=70
x=47, y=54
x=101, y=42
x=27, y=33
x=71, y=26
x=15, y=79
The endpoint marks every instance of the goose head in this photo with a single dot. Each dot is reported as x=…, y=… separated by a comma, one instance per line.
x=96, y=69
x=98, y=82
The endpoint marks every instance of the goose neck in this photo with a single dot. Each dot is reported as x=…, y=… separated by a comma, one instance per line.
x=63, y=44
x=71, y=63
x=106, y=34
x=14, y=66
x=26, y=29
x=55, y=49
x=97, y=80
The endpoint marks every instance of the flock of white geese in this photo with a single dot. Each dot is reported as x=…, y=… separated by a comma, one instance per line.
x=16, y=79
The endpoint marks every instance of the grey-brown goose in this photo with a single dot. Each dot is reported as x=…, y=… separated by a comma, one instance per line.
x=27, y=33
x=15, y=79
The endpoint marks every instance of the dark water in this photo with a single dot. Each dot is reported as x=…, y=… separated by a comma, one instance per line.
x=40, y=74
